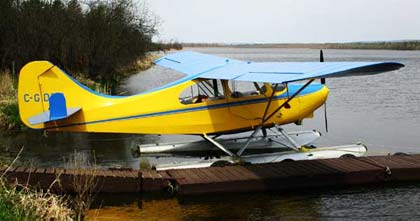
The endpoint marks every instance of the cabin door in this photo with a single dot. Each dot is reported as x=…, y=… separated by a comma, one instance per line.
x=246, y=100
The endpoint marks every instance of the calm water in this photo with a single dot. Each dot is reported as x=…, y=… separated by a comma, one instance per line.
x=368, y=203
x=381, y=111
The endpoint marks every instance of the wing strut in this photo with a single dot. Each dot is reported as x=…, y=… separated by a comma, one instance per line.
x=287, y=101
x=239, y=153
x=265, y=119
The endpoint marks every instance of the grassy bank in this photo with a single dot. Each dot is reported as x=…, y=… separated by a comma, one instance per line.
x=21, y=203
x=24, y=202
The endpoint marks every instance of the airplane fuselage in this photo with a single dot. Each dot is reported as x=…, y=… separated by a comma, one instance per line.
x=163, y=110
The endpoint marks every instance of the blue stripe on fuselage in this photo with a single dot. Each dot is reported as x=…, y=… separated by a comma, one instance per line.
x=293, y=88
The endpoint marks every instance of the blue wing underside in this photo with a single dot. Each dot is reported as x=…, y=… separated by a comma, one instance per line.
x=198, y=65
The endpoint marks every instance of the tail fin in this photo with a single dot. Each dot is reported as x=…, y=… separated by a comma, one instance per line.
x=46, y=93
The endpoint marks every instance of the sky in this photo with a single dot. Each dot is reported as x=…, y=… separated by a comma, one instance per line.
x=286, y=21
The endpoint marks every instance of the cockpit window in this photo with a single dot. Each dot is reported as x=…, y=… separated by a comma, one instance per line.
x=244, y=88
x=279, y=87
x=202, y=91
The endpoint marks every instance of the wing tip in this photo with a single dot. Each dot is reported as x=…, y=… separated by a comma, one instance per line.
x=389, y=66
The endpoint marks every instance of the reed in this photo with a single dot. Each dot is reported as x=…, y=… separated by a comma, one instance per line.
x=19, y=202
x=146, y=62
x=84, y=182
x=9, y=112
x=23, y=203
x=8, y=89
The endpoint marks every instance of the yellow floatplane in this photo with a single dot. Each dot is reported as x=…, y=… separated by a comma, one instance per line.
x=217, y=96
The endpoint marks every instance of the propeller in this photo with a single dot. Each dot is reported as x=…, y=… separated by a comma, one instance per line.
x=321, y=59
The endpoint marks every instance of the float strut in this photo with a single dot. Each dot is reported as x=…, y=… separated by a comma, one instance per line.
x=239, y=153
x=291, y=141
x=215, y=143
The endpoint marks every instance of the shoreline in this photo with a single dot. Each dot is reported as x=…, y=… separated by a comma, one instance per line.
x=383, y=45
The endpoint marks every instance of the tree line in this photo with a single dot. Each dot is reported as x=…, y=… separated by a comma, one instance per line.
x=96, y=37
x=388, y=45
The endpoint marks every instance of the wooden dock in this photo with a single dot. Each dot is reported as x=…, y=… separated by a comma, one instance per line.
x=228, y=179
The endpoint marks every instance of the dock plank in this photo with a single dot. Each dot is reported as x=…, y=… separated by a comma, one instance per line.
x=411, y=159
x=277, y=169
x=260, y=171
x=244, y=172
x=383, y=163
x=237, y=172
x=190, y=176
x=49, y=171
x=318, y=167
x=349, y=165
x=154, y=174
x=203, y=177
x=164, y=175
x=211, y=176
x=233, y=178
x=402, y=163
x=19, y=169
x=228, y=170
x=224, y=174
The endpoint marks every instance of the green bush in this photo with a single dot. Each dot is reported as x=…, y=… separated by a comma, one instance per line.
x=9, y=117
x=8, y=209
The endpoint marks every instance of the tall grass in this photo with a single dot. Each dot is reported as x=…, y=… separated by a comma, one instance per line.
x=19, y=202
x=22, y=203
x=84, y=182
x=8, y=87
x=9, y=111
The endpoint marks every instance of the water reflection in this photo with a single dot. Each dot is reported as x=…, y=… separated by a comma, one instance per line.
x=384, y=202
x=227, y=207
x=52, y=149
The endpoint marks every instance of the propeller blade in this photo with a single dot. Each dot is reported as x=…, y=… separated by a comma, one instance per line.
x=321, y=59
x=325, y=117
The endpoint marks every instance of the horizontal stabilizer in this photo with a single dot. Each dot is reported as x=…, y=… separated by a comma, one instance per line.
x=58, y=110
x=199, y=65
x=46, y=116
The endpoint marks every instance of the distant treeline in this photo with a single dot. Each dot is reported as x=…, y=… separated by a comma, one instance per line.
x=389, y=45
x=162, y=46
x=97, y=37
x=398, y=45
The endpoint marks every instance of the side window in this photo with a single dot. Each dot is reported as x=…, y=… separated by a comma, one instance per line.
x=202, y=91
x=244, y=89
x=280, y=87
